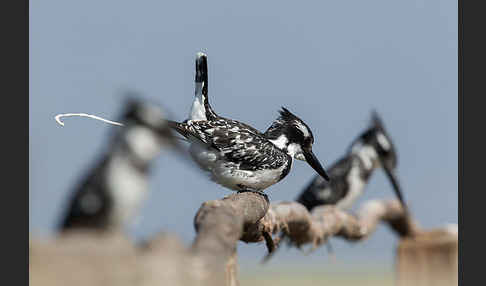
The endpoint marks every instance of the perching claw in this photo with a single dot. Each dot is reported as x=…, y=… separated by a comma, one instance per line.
x=270, y=245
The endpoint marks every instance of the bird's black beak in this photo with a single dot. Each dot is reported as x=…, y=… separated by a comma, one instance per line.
x=315, y=164
x=390, y=173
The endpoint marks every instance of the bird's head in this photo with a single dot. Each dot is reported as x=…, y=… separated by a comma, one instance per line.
x=376, y=137
x=147, y=129
x=292, y=135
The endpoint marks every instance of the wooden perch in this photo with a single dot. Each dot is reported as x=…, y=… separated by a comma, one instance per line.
x=221, y=223
x=243, y=215
x=92, y=259
x=302, y=227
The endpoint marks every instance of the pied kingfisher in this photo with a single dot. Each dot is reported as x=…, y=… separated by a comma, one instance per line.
x=238, y=156
x=349, y=175
x=111, y=194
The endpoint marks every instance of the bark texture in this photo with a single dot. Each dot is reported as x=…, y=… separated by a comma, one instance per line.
x=87, y=258
x=430, y=258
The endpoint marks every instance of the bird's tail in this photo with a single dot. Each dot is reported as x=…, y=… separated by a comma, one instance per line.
x=201, y=109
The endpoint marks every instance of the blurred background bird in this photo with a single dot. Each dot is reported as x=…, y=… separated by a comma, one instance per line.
x=349, y=175
x=111, y=194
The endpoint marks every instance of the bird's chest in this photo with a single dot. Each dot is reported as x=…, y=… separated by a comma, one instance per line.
x=205, y=157
x=231, y=175
x=356, y=185
x=127, y=187
x=234, y=178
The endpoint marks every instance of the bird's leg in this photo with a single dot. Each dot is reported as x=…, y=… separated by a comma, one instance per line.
x=268, y=237
x=261, y=193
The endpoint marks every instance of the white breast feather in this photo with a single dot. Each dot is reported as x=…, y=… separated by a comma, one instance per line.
x=254, y=180
x=368, y=156
x=128, y=189
x=143, y=142
x=356, y=187
x=227, y=174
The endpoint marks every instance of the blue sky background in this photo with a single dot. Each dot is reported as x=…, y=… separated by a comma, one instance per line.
x=330, y=62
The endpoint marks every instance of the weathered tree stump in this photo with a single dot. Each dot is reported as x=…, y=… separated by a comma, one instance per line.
x=429, y=258
x=91, y=258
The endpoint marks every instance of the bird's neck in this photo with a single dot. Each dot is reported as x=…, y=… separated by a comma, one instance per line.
x=138, y=146
x=281, y=141
x=367, y=156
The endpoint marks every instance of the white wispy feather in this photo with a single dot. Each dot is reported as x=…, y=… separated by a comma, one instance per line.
x=58, y=118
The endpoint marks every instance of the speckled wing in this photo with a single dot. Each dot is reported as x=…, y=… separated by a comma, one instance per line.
x=321, y=192
x=90, y=204
x=237, y=142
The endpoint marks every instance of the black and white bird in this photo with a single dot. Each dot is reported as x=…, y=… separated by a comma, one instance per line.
x=238, y=156
x=349, y=175
x=111, y=194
